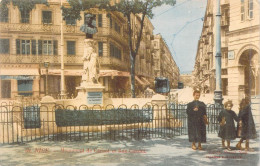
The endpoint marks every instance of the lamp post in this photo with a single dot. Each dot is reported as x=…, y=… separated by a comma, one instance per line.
x=46, y=65
x=218, y=92
x=63, y=94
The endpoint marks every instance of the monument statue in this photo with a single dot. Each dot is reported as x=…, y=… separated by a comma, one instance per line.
x=89, y=27
x=90, y=91
x=90, y=63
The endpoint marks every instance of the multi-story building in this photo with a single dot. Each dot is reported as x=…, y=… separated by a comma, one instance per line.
x=239, y=49
x=164, y=64
x=30, y=38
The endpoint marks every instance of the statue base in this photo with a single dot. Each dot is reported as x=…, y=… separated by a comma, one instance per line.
x=90, y=94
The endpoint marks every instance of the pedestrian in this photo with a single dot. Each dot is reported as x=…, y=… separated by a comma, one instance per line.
x=227, y=126
x=197, y=120
x=248, y=130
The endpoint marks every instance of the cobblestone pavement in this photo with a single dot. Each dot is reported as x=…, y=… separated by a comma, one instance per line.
x=157, y=151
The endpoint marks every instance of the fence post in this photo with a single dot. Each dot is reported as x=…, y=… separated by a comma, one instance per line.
x=159, y=114
x=47, y=115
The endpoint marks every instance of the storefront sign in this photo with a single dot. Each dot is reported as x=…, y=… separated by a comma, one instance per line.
x=94, y=97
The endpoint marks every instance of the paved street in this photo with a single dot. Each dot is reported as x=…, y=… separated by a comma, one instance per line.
x=159, y=151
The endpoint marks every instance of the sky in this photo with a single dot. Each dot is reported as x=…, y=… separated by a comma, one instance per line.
x=181, y=26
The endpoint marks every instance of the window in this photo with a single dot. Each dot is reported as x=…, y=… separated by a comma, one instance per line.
x=115, y=51
x=71, y=48
x=100, y=48
x=25, y=87
x=6, y=88
x=46, y=17
x=25, y=16
x=48, y=47
x=117, y=28
x=242, y=10
x=250, y=9
x=70, y=21
x=100, y=20
x=4, y=15
x=111, y=22
x=4, y=46
x=25, y=47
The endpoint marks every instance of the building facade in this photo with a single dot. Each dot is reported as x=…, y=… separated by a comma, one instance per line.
x=164, y=64
x=239, y=49
x=28, y=39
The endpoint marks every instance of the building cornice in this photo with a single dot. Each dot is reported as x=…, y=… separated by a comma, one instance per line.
x=243, y=30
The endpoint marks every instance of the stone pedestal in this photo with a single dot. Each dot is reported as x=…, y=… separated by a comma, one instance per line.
x=90, y=94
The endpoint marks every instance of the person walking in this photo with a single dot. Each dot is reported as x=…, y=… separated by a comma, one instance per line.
x=227, y=126
x=197, y=120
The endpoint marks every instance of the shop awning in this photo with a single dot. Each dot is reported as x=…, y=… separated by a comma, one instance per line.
x=113, y=73
x=66, y=72
x=19, y=71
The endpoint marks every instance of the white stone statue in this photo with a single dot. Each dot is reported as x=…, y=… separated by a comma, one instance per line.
x=90, y=63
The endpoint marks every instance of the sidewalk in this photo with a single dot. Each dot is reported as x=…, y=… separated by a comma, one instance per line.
x=162, y=152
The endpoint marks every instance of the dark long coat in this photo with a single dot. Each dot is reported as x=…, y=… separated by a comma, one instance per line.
x=248, y=124
x=228, y=131
x=196, y=125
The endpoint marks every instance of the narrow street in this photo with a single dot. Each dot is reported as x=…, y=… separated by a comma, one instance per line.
x=186, y=95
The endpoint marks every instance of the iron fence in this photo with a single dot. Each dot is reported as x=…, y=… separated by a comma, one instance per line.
x=58, y=123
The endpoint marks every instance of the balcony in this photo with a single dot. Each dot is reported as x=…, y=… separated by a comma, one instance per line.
x=210, y=30
x=52, y=29
x=206, y=57
x=6, y=27
x=6, y=58
x=210, y=49
x=114, y=63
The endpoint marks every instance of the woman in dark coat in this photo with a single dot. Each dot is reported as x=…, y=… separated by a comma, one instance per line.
x=248, y=125
x=197, y=120
x=227, y=126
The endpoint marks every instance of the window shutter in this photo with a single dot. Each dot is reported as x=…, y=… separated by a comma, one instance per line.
x=100, y=20
x=100, y=48
x=18, y=46
x=39, y=47
x=34, y=47
x=55, y=47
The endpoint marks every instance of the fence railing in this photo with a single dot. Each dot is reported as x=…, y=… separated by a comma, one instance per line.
x=58, y=123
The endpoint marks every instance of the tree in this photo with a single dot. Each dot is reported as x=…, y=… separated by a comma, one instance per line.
x=128, y=8
x=21, y=4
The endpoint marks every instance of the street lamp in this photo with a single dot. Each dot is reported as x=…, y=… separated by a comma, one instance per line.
x=46, y=65
x=218, y=92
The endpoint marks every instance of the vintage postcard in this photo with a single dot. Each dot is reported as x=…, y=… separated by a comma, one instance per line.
x=129, y=82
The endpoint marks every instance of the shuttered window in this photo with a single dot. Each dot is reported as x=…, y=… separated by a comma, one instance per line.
x=46, y=17
x=4, y=46
x=71, y=47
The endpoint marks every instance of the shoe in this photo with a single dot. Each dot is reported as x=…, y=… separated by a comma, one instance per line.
x=200, y=148
x=228, y=148
x=193, y=147
x=247, y=148
x=238, y=146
